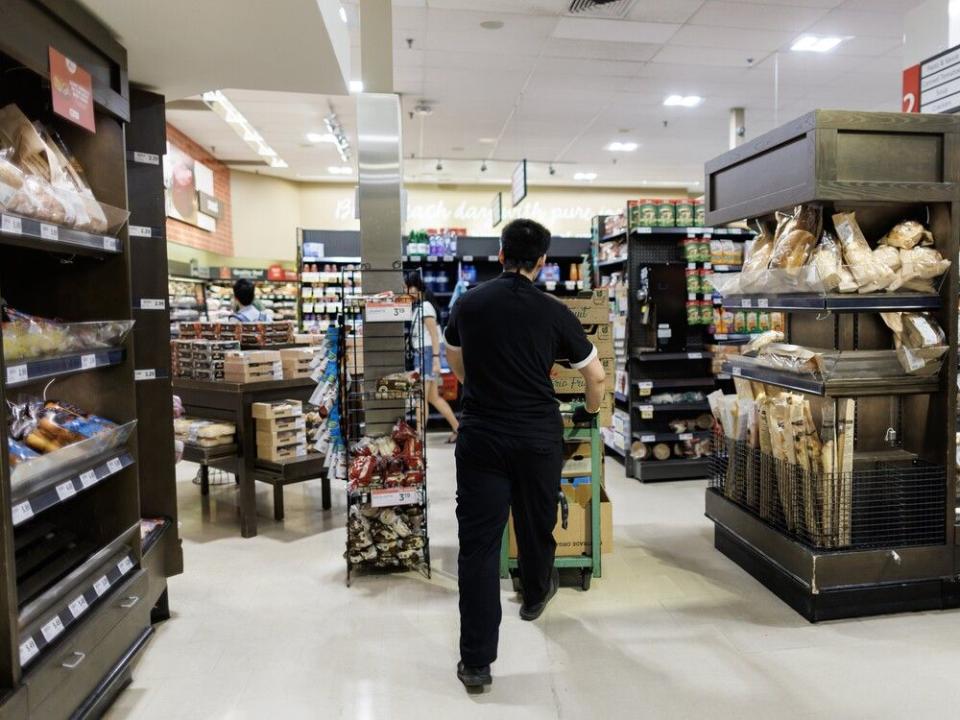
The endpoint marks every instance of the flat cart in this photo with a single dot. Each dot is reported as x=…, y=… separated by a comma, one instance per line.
x=589, y=565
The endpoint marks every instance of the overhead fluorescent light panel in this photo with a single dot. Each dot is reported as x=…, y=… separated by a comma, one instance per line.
x=218, y=102
x=687, y=101
x=816, y=43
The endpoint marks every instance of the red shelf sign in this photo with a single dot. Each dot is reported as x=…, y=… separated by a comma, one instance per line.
x=72, y=91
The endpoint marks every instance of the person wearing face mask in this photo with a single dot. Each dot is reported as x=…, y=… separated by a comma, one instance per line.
x=502, y=339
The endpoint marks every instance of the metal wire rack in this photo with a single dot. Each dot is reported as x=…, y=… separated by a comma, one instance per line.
x=894, y=502
x=383, y=421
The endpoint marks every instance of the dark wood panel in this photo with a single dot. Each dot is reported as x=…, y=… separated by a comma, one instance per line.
x=894, y=158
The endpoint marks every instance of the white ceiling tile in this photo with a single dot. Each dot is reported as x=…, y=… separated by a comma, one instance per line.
x=600, y=50
x=730, y=57
x=870, y=46
x=823, y=4
x=747, y=41
x=893, y=6
x=535, y=7
x=658, y=11
x=784, y=18
x=856, y=24
x=592, y=68
x=613, y=30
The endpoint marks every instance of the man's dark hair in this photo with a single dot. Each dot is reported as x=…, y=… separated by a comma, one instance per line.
x=244, y=291
x=523, y=243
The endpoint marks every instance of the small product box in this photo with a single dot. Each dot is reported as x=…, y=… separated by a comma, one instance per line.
x=277, y=409
x=286, y=452
x=252, y=366
x=591, y=307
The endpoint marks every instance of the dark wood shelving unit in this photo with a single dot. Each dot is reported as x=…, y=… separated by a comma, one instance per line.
x=886, y=167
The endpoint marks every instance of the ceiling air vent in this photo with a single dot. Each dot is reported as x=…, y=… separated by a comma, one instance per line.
x=601, y=8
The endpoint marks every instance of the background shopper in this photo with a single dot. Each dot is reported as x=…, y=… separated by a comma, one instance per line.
x=502, y=340
x=425, y=341
x=245, y=302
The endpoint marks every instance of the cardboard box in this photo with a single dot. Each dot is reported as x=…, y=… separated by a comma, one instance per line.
x=591, y=307
x=268, y=440
x=277, y=409
x=281, y=424
x=253, y=373
x=577, y=459
x=606, y=412
x=601, y=335
x=287, y=452
x=567, y=381
x=576, y=539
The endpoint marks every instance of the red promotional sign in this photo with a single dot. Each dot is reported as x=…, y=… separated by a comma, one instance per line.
x=72, y=91
x=911, y=89
x=275, y=273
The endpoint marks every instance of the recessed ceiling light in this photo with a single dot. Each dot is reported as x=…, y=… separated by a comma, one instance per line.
x=278, y=163
x=340, y=170
x=486, y=140
x=343, y=13
x=356, y=86
x=585, y=176
x=321, y=138
x=617, y=146
x=816, y=43
x=491, y=24
x=683, y=100
x=218, y=102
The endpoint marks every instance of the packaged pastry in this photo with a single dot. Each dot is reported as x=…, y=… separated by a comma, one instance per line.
x=826, y=260
x=905, y=235
x=924, y=263
x=870, y=275
x=716, y=252
x=730, y=253
x=17, y=452
x=792, y=249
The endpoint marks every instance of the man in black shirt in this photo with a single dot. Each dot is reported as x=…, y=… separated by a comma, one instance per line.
x=502, y=340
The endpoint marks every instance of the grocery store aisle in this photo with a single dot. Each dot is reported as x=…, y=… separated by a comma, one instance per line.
x=265, y=628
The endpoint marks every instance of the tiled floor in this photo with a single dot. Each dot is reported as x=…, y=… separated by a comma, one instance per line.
x=265, y=628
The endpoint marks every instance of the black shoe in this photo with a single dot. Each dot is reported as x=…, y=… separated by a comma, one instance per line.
x=474, y=677
x=532, y=612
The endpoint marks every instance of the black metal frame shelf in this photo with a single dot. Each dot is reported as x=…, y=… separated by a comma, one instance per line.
x=614, y=261
x=27, y=371
x=671, y=469
x=656, y=383
x=825, y=387
x=641, y=407
x=692, y=231
x=40, y=235
x=836, y=302
x=669, y=357
x=671, y=436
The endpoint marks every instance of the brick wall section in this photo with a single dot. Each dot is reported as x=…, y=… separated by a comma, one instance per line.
x=181, y=233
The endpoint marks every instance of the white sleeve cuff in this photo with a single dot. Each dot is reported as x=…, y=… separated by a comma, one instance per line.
x=587, y=360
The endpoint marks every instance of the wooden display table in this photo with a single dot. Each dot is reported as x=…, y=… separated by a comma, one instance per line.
x=232, y=402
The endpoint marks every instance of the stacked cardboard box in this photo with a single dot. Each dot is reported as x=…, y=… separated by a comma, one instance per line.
x=281, y=430
x=260, y=334
x=200, y=359
x=298, y=362
x=248, y=366
x=593, y=311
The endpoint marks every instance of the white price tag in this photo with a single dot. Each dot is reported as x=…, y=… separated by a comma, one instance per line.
x=111, y=243
x=66, y=490
x=432, y=258
x=125, y=566
x=146, y=158
x=101, y=586
x=646, y=412
x=145, y=374
x=646, y=387
x=153, y=304
x=114, y=465
x=685, y=436
x=695, y=356
x=448, y=258
x=88, y=361
x=388, y=311
x=709, y=266
x=49, y=232
x=648, y=438
x=52, y=629
x=78, y=606
x=746, y=302
x=691, y=266
x=763, y=302
x=468, y=258
x=140, y=231
x=664, y=333
x=12, y=225
x=493, y=258
x=27, y=650
x=88, y=478
x=737, y=372
x=643, y=230
x=691, y=296
x=17, y=373
x=394, y=496
x=22, y=512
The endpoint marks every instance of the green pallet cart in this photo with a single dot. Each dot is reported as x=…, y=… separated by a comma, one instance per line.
x=589, y=565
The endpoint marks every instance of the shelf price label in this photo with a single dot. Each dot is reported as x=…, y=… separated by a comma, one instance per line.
x=153, y=304
x=648, y=438
x=114, y=465
x=646, y=412
x=140, y=231
x=146, y=158
x=66, y=490
x=763, y=302
x=52, y=629
x=737, y=372
x=17, y=373
x=646, y=387
x=22, y=512
x=389, y=497
x=746, y=302
x=695, y=356
x=101, y=585
x=11, y=225
x=144, y=375
x=49, y=232
x=78, y=607
x=388, y=311
x=110, y=244
x=685, y=436
x=88, y=478
x=27, y=650
x=88, y=362
x=468, y=258
x=125, y=566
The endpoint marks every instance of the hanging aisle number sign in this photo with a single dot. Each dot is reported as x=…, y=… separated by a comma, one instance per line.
x=388, y=310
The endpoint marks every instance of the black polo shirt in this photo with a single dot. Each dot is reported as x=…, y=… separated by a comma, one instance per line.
x=511, y=333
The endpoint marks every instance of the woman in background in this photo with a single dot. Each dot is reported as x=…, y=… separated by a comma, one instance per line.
x=425, y=341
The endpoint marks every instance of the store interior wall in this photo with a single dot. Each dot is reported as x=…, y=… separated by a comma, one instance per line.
x=930, y=28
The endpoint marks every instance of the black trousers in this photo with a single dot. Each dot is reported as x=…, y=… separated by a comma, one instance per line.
x=495, y=472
